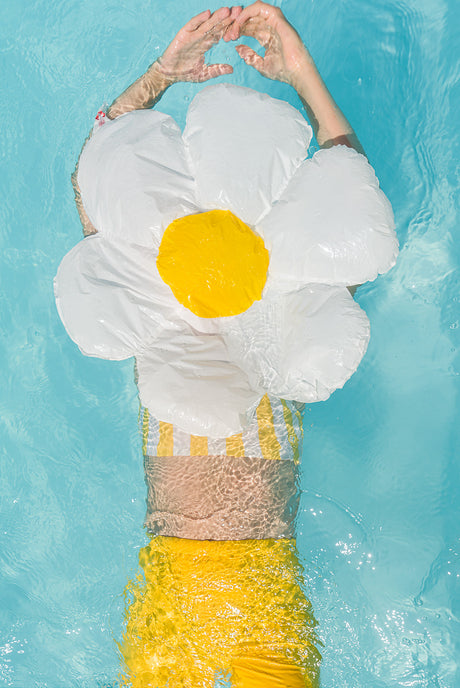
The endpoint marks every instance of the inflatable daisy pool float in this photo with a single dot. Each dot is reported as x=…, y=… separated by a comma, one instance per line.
x=222, y=257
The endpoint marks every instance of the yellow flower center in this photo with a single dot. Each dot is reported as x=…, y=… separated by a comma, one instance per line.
x=215, y=264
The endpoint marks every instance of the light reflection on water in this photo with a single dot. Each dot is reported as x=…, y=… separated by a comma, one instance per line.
x=378, y=527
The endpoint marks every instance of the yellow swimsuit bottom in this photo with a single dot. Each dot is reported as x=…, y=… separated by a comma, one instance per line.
x=201, y=611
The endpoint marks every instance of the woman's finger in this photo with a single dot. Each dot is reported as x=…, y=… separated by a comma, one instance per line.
x=255, y=10
x=197, y=21
x=250, y=57
x=214, y=35
x=214, y=20
x=234, y=13
x=215, y=70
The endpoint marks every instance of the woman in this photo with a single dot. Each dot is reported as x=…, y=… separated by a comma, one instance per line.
x=221, y=593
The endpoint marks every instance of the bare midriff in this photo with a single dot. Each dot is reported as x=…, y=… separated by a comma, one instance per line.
x=216, y=497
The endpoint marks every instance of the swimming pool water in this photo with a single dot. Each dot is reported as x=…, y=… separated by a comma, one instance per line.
x=379, y=530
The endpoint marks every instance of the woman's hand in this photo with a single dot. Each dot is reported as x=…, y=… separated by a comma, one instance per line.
x=184, y=58
x=285, y=54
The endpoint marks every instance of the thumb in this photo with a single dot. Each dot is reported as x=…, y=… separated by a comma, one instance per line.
x=250, y=57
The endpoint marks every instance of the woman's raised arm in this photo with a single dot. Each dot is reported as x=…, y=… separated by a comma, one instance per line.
x=183, y=60
x=287, y=59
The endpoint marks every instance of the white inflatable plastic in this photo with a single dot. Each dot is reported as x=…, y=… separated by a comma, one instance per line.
x=324, y=221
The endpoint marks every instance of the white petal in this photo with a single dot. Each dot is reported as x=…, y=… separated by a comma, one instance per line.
x=134, y=178
x=325, y=337
x=332, y=225
x=187, y=379
x=301, y=345
x=244, y=147
x=111, y=298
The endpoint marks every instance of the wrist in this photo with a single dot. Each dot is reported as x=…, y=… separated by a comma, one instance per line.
x=142, y=94
x=160, y=78
x=305, y=77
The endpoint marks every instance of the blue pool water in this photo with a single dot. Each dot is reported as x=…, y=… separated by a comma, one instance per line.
x=379, y=526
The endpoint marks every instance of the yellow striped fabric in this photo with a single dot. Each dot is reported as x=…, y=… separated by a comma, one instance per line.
x=275, y=433
x=234, y=445
x=289, y=420
x=145, y=429
x=198, y=445
x=166, y=442
x=269, y=443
